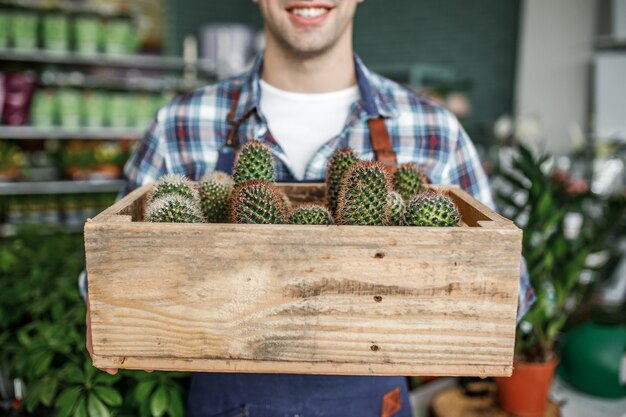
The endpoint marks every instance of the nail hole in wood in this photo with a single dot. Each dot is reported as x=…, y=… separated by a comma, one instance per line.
x=379, y=255
x=378, y=298
x=375, y=348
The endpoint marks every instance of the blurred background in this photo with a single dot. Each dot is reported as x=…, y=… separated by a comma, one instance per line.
x=540, y=86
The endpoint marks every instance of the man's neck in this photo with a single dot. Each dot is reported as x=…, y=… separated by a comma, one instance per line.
x=332, y=70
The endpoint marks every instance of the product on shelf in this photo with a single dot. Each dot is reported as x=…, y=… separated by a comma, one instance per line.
x=42, y=111
x=19, y=89
x=94, y=108
x=87, y=33
x=24, y=29
x=69, y=103
x=119, y=36
x=5, y=30
x=12, y=160
x=56, y=31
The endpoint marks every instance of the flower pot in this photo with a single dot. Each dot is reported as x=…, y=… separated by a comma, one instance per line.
x=525, y=393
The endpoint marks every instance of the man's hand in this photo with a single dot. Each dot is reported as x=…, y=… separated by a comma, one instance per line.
x=111, y=371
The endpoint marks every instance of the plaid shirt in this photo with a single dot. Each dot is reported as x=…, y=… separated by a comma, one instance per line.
x=187, y=134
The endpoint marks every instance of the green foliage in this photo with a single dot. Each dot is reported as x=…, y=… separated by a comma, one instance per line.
x=254, y=162
x=432, y=209
x=174, y=184
x=311, y=214
x=409, y=180
x=540, y=202
x=42, y=337
x=215, y=191
x=397, y=209
x=173, y=208
x=258, y=202
x=338, y=165
x=364, y=195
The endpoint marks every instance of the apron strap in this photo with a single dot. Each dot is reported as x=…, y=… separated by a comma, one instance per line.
x=379, y=138
x=381, y=143
x=226, y=157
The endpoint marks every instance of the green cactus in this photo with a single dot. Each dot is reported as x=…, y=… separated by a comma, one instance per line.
x=215, y=191
x=258, y=202
x=364, y=195
x=254, y=162
x=173, y=208
x=311, y=214
x=174, y=184
x=397, y=208
x=432, y=209
x=409, y=180
x=338, y=165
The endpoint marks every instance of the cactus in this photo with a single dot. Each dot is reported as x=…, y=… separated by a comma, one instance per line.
x=311, y=214
x=432, y=209
x=258, y=202
x=254, y=162
x=364, y=195
x=173, y=208
x=174, y=184
x=215, y=191
x=397, y=208
x=337, y=167
x=409, y=180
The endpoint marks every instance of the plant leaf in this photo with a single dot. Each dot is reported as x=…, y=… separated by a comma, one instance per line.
x=176, y=407
x=96, y=408
x=81, y=408
x=66, y=401
x=159, y=402
x=109, y=395
x=48, y=390
x=143, y=390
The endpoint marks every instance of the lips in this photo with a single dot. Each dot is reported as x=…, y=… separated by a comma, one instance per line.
x=309, y=13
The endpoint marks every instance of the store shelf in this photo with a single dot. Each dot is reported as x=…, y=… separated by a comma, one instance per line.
x=60, y=187
x=610, y=44
x=33, y=133
x=146, y=62
x=100, y=9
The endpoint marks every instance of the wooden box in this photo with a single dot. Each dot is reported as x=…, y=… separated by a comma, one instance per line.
x=304, y=299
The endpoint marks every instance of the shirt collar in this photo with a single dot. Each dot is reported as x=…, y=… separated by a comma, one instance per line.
x=374, y=101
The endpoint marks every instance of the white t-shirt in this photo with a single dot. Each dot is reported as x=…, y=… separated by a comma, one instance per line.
x=302, y=123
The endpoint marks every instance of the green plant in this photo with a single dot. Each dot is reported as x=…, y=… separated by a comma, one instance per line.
x=174, y=184
x=409, y=180
x=311, y=214
x=397, y=209
x=173, y=208
x=544, y=202
x=339, y=163
x=215, y=192
x=254, y=162
x=258, y=202
x=42, y=338
x=364, y=195
x=432, y=209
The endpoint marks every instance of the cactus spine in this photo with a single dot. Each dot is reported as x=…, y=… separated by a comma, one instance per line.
x=258, y=202
x=397, y=207
x=409, y=180
x=364, y=195
x=432, y=209
x=215, y=191
x=173, y=208
x=337, y=167
x=311, y=214
x=254, y=162
x=174, y=184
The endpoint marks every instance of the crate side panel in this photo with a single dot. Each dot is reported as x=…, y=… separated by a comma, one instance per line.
x=351, y=295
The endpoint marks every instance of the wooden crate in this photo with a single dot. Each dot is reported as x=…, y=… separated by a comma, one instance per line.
x=304, y=299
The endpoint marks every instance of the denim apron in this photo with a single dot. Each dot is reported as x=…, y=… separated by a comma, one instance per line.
x=287, y=395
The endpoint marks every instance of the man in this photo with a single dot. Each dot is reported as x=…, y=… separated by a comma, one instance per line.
x=307, y=96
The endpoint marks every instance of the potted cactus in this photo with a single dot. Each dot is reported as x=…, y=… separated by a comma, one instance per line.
x=564, y=223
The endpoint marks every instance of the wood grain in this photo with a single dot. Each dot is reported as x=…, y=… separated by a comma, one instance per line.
x=303, y=299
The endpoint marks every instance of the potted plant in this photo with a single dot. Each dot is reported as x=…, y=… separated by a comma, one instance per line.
x=564, y=223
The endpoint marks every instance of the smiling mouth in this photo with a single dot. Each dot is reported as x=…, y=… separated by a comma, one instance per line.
x=309, y=12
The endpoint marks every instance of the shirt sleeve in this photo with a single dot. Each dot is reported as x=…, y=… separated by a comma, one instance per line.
x=467, y=171
x=147, y=163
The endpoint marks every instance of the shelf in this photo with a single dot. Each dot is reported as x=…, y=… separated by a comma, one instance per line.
x=130, y=83
x=34, y=133
x=609, y=43
x=146, y=62
x=61, y=187
x=101, y=9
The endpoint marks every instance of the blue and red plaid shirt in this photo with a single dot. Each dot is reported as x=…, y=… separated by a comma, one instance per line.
x=187, y=134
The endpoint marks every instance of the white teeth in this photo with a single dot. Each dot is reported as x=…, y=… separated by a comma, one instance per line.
x=310, y=12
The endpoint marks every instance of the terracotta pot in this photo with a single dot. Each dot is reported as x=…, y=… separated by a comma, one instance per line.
x=525, y=393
